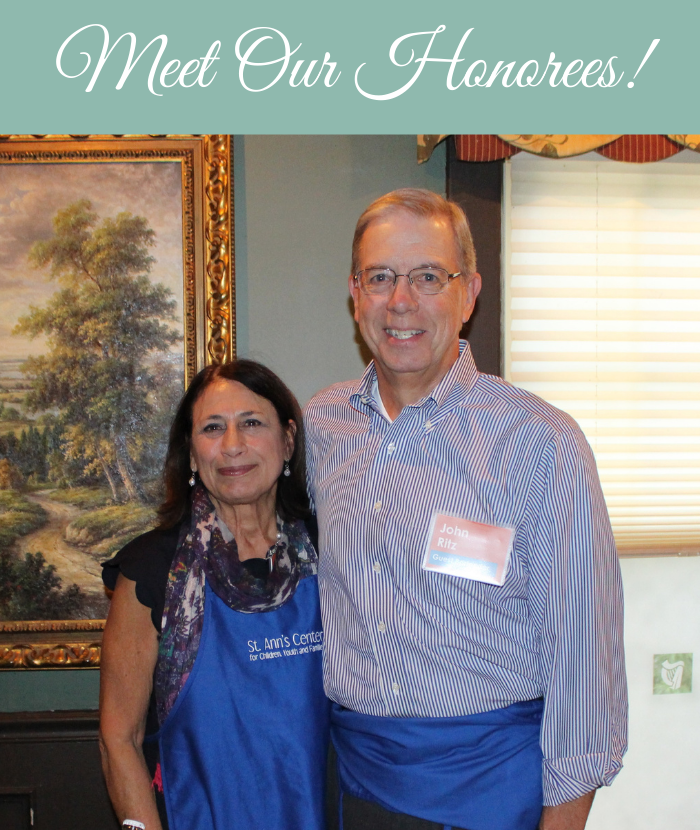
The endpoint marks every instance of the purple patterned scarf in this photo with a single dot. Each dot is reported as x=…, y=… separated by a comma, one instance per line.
x=203, y=555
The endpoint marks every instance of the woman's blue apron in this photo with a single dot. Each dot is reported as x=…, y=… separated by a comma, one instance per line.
x=481, y=772
x=244, y=747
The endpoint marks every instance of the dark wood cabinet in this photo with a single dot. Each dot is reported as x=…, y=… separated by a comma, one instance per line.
x=50, y=776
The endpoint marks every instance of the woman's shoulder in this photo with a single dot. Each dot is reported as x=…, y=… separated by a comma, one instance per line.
x=157, y=542
x=146, y=560
x=152, y=549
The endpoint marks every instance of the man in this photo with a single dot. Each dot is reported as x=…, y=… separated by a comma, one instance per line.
x=470, y=589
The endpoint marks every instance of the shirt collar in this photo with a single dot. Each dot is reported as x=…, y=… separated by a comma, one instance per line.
x=452, y=389
x=362, y=396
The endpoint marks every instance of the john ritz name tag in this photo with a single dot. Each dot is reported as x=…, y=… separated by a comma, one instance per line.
x=468, y=549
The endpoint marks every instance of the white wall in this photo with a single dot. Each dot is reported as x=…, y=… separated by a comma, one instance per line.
x=658, y=786
x=297, y=199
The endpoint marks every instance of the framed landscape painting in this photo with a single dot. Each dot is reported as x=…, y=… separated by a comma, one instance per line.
x=116, y=287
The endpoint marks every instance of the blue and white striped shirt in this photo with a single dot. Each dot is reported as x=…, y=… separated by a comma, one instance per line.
x=404, y=642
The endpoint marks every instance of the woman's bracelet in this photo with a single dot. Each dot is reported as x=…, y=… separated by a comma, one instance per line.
x=131, y=824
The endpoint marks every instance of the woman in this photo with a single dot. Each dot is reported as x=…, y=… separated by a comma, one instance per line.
x=212, y=648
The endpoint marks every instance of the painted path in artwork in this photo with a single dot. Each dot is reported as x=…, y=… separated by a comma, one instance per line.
x=72, y=564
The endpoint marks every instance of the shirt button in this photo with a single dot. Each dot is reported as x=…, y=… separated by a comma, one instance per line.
x=377, y=506
x=395, y=688
x=391, y=448
x=376, y=567
x=428, y=424
x=382, y=627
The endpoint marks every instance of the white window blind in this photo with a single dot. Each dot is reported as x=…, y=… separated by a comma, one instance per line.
x=602, y=319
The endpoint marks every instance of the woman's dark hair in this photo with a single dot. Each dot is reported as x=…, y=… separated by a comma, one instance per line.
x=292, y=499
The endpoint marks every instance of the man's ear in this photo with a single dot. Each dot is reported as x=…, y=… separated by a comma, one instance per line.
x=471, y=292
x=354, y=292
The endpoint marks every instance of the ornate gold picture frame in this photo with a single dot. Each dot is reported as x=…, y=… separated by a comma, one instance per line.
x=187, y=190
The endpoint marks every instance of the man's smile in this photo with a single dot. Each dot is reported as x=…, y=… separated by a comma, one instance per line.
x=403, y=334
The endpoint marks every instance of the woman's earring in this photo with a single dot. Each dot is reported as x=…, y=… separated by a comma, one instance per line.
x=192, y=480
x=287, y=471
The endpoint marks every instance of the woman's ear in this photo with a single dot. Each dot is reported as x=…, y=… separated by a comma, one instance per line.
x=290, y=435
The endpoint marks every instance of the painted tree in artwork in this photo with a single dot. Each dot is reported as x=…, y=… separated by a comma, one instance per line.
x=102, y=325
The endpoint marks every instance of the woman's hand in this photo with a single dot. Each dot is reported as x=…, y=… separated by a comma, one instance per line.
x=129, y=653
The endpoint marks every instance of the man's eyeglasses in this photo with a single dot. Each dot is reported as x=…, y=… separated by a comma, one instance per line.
x=424, y=280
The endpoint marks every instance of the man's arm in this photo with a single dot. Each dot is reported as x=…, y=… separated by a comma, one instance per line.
x=569, y=816
x=576, y=598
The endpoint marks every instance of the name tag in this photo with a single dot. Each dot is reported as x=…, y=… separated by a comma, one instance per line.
x=468, y=549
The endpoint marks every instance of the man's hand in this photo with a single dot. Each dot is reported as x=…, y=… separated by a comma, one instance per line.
x=569, y=816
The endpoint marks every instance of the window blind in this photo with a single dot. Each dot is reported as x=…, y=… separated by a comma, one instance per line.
x=602, y=319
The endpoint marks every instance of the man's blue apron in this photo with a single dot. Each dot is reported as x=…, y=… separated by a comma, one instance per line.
x=244, y=747
x=480, y=772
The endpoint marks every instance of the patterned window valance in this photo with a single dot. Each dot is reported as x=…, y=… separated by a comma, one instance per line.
x=631, y=148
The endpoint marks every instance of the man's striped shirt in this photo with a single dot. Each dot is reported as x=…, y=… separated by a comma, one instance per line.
x=404, y=642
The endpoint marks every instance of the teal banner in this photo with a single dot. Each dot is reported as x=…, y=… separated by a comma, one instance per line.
x=357, y=67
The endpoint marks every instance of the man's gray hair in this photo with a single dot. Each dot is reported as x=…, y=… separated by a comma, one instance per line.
x=423, y=203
